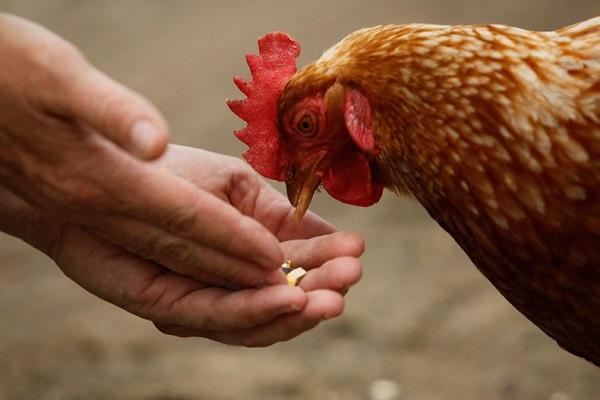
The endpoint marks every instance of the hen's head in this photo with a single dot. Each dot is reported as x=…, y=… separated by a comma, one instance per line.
x=306, y=128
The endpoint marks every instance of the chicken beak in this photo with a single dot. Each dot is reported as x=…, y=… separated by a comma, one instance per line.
x=301, y=187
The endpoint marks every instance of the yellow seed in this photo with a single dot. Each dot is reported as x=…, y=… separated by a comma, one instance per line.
x=294, y=276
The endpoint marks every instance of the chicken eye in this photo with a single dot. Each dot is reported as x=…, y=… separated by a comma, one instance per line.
x=306, y=125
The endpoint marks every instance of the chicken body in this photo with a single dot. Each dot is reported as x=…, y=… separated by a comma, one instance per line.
x=496, y=132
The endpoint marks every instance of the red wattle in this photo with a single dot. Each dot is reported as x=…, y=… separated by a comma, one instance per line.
x=350, y=181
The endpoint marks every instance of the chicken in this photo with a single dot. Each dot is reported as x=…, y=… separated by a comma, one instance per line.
x=495, y=130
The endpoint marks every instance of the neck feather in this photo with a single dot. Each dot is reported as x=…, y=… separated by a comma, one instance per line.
x=472, y=116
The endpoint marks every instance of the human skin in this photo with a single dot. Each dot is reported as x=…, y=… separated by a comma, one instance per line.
x=201, y=305
x=60, y=119
x=192, y=241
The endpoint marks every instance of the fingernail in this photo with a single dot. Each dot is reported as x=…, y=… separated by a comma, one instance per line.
x=144, y=136
x=294, y=308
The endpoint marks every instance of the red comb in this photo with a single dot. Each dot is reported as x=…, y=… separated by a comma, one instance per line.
x=271, y=71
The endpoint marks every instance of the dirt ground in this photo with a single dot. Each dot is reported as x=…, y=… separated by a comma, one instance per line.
x=422, y=318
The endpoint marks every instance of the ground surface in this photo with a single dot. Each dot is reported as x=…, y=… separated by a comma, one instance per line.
x=422, y=317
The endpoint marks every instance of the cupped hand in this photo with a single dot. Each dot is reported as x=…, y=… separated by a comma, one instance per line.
x=73, y=144
x=330, y=257
x=184, y=306
x=191, y=242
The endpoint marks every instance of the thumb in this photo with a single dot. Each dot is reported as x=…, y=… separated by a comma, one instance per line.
x=116, y=112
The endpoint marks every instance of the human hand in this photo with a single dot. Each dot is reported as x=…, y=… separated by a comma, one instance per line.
x=329, y=256
x=182, y=306
x=73, y=144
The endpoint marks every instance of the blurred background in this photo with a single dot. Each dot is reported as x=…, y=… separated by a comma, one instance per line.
x=423, y=324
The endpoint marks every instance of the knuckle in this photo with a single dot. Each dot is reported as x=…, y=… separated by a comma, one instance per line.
x=81, y=195
x=117, y=110
x=235, y=273
x=112, y=112
x=55, y=68
x=68, y=191
x=173, y=250
x=78, y=196
x=181, y=220
x=244, y=188
x=141, y=245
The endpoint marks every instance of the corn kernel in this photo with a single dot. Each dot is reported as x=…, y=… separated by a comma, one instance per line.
x=294, y=276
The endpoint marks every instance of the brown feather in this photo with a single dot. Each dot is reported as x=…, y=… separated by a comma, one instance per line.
x=496, y=131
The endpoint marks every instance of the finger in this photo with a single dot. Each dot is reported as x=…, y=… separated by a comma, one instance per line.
x=314, y=252
x=187, y=257
x=116, y=112
x=321, y=305
x=338, y=274
x=109, y=272
x=221, y=310
x=174, y=205
x=310, y=225
x=275, y=212
x=201, y=216
x=172, y=216
x=149, y=291
x=245, y=190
